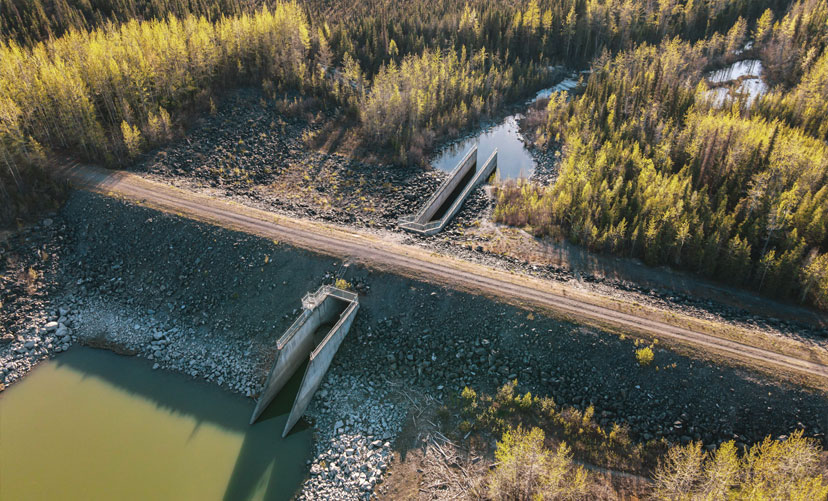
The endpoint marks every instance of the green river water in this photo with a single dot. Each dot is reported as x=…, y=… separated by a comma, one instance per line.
x=93, y=425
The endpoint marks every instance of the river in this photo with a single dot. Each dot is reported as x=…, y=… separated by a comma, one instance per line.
x=91, y=424
x=514, y=160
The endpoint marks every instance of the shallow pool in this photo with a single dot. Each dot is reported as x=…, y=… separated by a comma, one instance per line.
x=748, y=75
x=514, y=160
x=91, y=424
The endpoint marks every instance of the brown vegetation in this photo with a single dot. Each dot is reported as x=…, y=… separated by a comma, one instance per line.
x=536, y=461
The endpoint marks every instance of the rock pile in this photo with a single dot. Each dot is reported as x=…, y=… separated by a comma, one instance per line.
x=356, y=418
x=170, y=344
x=22, y=352
x=258, y=155
x=349, y=468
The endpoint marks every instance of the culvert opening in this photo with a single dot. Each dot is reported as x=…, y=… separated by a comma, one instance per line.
x=338, y=307
x=444, y=208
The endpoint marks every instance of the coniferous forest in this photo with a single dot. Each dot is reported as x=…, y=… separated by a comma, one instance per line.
x=651, y=165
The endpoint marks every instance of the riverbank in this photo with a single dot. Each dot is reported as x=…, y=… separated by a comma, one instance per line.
x=260, y=156
x=210, y=303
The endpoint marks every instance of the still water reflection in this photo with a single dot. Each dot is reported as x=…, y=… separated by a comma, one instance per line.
x=514, y=160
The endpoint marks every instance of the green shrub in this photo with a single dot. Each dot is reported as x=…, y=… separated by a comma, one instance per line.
x=771, y=470
x=547, y=406
x=506, y=393
x=469, y=398
x=469, y=395
x=525, y=401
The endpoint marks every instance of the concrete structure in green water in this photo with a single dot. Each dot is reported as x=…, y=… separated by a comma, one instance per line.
x=325, y=306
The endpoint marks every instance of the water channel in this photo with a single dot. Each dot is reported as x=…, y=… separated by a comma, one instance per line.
x=91, y=424
x=514, y=160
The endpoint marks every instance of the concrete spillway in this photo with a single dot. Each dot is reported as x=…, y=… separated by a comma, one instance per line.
x=450, y=196
x=325, y=306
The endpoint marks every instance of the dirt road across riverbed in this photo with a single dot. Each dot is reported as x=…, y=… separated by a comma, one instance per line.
x=382, y=253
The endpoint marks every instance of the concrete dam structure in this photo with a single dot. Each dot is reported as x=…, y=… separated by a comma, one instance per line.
x=325, y=306
x=446, y=202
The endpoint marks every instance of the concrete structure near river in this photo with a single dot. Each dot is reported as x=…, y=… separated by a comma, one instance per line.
x=325, y=306
x=446, y=202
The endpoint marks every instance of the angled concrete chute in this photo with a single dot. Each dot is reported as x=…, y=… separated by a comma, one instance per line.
x=421, y=222
x=432, y=205
x=297, y=343
x=320, y=360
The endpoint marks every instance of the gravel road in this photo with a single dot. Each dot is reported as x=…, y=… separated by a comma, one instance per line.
x=370, y=250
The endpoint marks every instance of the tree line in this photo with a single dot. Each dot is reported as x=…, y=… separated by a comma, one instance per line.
x=106, y=94
x=516, y=43
x=793, y=51
x=104, y=79
x=429, y=93
x=652, y=167
x=31, y=21
x=562, y=31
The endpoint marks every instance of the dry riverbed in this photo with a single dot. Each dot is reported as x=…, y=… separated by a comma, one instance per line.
x=210, y=303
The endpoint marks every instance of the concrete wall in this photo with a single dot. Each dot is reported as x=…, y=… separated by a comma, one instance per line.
x=481, y=175
x=320, y=360
x=436, y=201
x=435, y=227
x=293, y=349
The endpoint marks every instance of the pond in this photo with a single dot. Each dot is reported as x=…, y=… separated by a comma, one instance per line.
x=91, y=424
x=514, y=160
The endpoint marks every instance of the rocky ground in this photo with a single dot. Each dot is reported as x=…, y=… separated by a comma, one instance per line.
x=210, y=303
x=357, y=417
x=252, y=151
x=31, y=326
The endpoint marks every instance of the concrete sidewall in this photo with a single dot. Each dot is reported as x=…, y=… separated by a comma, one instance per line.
x=482, y=174
x=447, y=189
x=294, y=351
x=320, y=360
